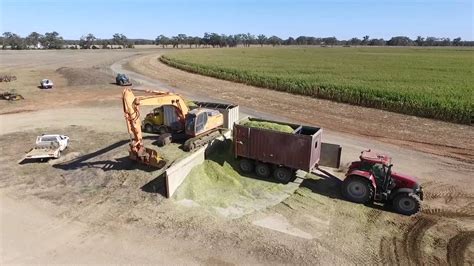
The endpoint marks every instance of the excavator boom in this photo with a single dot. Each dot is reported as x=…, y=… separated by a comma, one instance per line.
x=138, y=151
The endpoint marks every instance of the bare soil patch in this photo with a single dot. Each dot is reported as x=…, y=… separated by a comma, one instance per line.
x=85, y=76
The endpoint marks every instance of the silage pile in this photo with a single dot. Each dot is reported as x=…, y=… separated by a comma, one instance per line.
x=217, y=186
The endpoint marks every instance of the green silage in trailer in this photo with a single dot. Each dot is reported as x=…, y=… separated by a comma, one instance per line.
x=269, y=126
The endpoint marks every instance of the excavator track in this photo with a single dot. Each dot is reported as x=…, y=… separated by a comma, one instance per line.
x=199, y=141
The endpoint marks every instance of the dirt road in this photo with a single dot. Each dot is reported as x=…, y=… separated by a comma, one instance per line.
x=95, y=207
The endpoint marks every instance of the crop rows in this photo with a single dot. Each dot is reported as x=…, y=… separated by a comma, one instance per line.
x=450, y=103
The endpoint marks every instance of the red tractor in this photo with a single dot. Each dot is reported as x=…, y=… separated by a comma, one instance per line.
x=372, y=179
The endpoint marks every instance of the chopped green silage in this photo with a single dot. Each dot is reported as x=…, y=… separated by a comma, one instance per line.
x=269, y=126
x=217, y=186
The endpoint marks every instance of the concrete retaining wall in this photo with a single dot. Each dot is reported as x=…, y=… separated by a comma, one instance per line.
x=177, y=173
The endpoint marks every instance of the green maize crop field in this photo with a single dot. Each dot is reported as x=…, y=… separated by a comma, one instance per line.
x=431, y=82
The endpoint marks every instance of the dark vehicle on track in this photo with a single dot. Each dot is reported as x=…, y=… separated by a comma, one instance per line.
x=122, y=80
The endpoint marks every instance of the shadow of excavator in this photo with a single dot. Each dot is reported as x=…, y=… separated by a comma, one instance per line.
x=87, y=161
x=156, y=186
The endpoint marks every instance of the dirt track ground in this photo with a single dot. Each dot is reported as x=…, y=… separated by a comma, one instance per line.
x=96, y=207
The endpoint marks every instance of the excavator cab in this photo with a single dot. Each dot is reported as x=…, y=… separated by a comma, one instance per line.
x=195, y=123
x=202, y=120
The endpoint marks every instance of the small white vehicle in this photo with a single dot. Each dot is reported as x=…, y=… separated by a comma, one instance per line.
x=48, y=146
x=46, y=84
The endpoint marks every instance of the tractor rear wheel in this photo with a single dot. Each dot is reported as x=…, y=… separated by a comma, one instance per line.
x=283, y=174
x=246, y=165
x=407, y=203
x=357, y=189
x=262, y=170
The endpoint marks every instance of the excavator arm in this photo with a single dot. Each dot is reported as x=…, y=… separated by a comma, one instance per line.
x=131, y=111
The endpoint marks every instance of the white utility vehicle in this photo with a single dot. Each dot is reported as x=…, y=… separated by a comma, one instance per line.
x=48, y=146
x=46, y=84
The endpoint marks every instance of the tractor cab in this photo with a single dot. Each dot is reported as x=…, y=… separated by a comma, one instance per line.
x=372, y=179
x=379, y=164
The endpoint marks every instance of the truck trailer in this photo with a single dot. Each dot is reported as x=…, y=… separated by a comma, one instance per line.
x=279, y=154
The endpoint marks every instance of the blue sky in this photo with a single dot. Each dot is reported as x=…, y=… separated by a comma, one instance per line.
x=148, y=19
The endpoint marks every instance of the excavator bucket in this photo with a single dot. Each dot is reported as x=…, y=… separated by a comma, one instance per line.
x=148, y=157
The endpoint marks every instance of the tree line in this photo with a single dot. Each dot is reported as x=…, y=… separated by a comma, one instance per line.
x=52, y=40
x=247, y=39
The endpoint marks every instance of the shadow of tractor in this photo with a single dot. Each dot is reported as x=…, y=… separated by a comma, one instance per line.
x=330, y=186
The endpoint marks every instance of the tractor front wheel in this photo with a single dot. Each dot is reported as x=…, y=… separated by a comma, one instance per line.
x=357, y=189
x=407, y=203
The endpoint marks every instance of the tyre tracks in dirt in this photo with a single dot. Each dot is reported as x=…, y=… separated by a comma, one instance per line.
x=462, y=213
x=445, y=191
x=406, y=250
x=410, y=248
x=457, y=248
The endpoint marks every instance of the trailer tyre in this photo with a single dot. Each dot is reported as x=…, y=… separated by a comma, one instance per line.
x=262, y=170
x=283, y=174
x=357, y=189
x=246, y=165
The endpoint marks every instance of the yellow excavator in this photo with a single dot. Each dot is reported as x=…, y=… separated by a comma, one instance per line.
x=199, y=125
